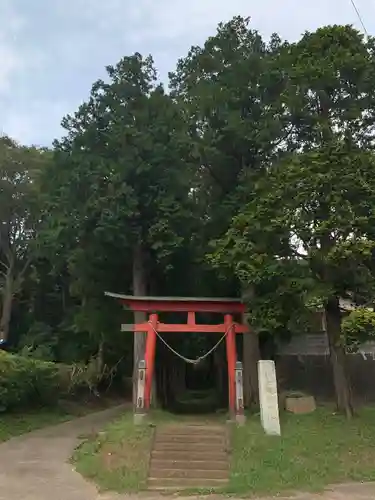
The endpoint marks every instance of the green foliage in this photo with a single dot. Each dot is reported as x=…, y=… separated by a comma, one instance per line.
x=26, y=382
x=20, y=168
x=329, y=91
x=306, y=226
x=230, y=88
x=38, y=343
x=305, y=233
x=131, y=174
x=119, y=187
x=358, y=327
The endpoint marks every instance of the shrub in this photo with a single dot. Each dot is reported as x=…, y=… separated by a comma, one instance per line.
x=26, y=382
x=90, y=377
x=78, y=378
x=358, y=327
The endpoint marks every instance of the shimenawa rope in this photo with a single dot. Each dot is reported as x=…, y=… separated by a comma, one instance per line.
x=189, y=360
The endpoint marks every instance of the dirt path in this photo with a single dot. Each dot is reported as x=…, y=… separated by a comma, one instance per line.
x=35, y=467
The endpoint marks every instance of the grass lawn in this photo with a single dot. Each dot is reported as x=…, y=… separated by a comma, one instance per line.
x=314, y=451
x=117, y=459
x=14, y=424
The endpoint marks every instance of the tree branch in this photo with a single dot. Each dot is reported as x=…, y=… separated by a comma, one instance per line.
x=25, y=267
x=6, y=268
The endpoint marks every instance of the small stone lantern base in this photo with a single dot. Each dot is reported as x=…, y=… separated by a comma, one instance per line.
x=300, y=404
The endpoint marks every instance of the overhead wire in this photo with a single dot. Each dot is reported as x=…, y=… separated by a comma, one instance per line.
x=360, y=18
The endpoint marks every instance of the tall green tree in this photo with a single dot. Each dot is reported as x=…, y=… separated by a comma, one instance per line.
x=121, y=189
x=19, y=217
x=231, y=89
x=329, y=100
x=311, y=221
x=329, y=92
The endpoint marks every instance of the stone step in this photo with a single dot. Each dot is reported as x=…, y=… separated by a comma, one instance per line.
x=157, y=463
x=161, y=484
x=188, y=473
x=189, y=457
x=187, y=447
x=201, y=455
x=191, y=429
x=166, y=438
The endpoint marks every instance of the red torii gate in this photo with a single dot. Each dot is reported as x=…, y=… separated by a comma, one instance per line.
x=190, y=305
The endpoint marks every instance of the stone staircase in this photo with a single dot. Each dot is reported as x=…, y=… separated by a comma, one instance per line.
x=189, y=457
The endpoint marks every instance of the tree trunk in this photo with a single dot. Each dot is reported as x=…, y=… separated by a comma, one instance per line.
x=178, y=378
x=166, y=384
x=6, y=309
x=251, y=356
x=338, y=358
x=100, y=358
x=219, y=367
x=139, y=289
x=154, y=392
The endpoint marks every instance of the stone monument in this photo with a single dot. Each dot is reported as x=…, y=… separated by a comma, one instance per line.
x=269, y=404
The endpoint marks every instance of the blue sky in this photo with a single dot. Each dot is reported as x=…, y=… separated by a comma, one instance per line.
x=51, y=51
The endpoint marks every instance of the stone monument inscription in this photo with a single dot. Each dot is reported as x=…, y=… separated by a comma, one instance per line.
x=269, y=404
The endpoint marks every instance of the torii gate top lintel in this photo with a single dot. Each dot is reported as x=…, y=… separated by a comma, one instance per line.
x=181, y=304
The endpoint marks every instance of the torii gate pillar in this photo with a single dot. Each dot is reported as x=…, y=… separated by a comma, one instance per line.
x=150, y=357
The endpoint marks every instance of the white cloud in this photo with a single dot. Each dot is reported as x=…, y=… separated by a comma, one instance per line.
x=11, y=59
x=167, y=28
x=11, y=62
x=36, y=122
x=171, y=19
x=43, y=78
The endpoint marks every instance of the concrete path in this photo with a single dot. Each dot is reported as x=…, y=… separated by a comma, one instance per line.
x=35, y=467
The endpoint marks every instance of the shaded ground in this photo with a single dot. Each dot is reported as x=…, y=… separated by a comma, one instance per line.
x=35, y=467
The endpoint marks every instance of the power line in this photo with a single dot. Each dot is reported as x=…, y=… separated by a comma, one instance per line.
x=359, y=16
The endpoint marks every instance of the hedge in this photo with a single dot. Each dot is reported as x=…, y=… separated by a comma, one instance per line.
x=26, y=382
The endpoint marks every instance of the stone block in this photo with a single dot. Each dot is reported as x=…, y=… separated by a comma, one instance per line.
x=300, y=404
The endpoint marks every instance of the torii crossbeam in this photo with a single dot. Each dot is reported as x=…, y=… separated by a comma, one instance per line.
x=190, y=305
